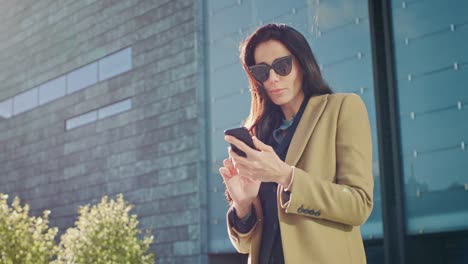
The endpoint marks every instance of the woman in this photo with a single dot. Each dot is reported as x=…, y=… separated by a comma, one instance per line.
x=302, y=194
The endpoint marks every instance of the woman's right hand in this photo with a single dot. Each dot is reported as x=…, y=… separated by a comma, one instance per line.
x=242, y=190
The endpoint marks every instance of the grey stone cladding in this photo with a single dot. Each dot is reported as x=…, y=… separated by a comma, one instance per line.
x=154, y=153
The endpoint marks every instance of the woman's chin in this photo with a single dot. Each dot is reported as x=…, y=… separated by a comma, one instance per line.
x=279, y=100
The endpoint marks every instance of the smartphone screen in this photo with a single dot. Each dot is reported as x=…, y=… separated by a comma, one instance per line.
x=243, y=135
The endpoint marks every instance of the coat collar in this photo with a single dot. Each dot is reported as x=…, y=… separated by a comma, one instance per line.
x=309, y=119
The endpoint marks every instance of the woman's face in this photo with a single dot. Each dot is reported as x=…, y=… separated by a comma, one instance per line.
x=285, y=91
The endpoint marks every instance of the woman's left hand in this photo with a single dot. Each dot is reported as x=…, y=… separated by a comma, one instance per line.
x=260, y=164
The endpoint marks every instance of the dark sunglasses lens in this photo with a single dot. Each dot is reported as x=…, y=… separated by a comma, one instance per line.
x=260, y=72
x=283, y=66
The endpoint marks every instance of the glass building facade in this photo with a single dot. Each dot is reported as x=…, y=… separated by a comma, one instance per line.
x=431, y=63
x=428, y=64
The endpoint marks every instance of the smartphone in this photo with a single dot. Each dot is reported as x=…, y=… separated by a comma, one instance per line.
x=243, y=135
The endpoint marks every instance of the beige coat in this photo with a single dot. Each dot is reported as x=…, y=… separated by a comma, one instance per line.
x=332, y=189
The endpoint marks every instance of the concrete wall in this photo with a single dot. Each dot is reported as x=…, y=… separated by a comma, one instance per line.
x=154, y=153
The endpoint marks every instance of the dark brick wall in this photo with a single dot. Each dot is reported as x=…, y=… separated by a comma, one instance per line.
x=154, y=154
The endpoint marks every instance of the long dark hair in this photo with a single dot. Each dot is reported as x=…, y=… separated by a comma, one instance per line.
x=264, y=114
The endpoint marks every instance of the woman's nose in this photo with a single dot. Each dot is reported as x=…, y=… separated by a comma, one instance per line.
x=273, y=76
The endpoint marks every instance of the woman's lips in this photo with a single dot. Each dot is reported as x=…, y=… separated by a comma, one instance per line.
x=277, y=91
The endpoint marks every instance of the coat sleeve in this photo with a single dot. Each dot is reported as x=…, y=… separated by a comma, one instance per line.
x=242, y=242
x=349, y=199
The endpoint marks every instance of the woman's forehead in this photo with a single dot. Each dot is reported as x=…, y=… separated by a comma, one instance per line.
x=268, y=51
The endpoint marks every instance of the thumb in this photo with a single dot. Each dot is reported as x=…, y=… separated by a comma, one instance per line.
x=225, y=173
x=260, y=145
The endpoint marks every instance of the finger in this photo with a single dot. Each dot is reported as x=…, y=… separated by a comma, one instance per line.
x=240, y=145
x=260, y=145
x=232, y=154
x=230, y=166
x=224, y=172
x=227, y=173
x=227, y=163
x=236, y=159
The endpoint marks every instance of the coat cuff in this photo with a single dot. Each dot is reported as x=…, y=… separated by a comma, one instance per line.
x=285, y=193
x=242, y=225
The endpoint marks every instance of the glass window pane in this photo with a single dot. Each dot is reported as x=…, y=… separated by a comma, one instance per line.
x=81, y=120
x=115, y=64
x=52, y=90
x=6, y=108
x=430, y=46
x=115, y=108
x=25, y=101
x=82, y=78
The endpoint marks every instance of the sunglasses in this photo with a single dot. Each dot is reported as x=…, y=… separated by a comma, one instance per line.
x=282, y=66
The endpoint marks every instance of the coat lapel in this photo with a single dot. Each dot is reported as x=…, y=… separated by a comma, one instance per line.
x=312, y=113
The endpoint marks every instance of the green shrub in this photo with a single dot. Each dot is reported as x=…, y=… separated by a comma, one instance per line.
x=24, y=239
x=105, y=234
